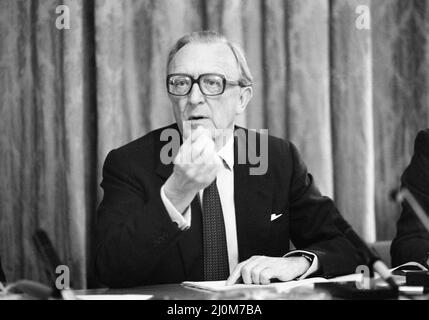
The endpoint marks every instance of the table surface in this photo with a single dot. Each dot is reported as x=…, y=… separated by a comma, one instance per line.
x=160, y=292
x=178, y=291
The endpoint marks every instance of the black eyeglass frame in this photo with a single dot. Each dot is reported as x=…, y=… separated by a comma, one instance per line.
x=197, y=81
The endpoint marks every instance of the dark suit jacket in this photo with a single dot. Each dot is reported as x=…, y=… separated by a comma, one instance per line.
x=137, y=243
x=411, y=242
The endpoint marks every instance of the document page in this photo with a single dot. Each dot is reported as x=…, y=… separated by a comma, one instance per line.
x=219, y=286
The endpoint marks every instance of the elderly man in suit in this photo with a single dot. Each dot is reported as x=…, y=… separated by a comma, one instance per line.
x=211, y=217
x=411, y=242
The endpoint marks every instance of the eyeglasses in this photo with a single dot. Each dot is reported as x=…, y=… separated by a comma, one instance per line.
x=211, y=84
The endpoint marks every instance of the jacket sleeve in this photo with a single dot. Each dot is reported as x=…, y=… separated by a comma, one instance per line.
x=314, y=224
x=411, y=242
x=133, y=228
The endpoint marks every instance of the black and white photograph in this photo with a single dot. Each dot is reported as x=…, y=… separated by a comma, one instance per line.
x=220, y=157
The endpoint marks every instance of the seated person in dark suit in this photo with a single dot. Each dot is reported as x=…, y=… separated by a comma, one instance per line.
x=205, y=215
x=411, y=242
x=2, y=276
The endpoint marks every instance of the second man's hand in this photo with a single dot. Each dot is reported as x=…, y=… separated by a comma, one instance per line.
x=262, y=269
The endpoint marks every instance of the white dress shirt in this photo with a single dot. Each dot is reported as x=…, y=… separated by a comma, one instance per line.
x=225, y=185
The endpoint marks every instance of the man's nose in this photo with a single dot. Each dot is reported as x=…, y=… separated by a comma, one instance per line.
x=196, y=96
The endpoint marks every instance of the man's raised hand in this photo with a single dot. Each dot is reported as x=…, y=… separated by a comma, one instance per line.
x=195, y=167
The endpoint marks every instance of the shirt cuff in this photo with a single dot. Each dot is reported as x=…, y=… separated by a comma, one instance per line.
x=183, y=221
x=314, y=264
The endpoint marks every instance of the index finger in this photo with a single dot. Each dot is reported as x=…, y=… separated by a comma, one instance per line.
x=200, y=131
x=235, y=275
x=186, y=127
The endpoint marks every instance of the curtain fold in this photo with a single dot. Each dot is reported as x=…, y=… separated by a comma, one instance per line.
x=43, y=139
x=274, y=67
x=308, y=94
x=352, y=121
x=351, y=99
x=78, y=110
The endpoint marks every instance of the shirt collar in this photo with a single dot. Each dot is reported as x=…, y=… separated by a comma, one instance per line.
x=227, y=152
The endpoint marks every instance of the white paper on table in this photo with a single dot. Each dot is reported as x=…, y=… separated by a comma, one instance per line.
x=220, y=286
x=114, y=296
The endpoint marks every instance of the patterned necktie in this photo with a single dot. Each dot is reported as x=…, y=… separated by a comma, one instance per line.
x=216, y=265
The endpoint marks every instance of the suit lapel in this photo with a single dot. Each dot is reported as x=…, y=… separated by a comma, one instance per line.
x=165, y=170
x=253, y=202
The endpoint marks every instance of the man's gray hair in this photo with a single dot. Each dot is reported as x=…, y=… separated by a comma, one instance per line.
x=208, y=37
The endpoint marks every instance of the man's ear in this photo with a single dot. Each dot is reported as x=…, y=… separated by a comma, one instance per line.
x=245, y=96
